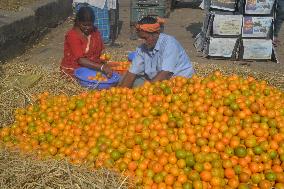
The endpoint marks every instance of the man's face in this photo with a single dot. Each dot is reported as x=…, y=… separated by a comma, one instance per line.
x=150, y=39
x=86, y=27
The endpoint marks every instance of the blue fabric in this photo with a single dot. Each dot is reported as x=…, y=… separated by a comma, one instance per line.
x=102, y=21
x=168, y=55
x=131, y=56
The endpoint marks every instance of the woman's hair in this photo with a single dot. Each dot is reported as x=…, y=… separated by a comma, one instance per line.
x=85, y=14
x=147, y=20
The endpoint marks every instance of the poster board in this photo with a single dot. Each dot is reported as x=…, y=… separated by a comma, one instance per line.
x=228, y=5
x=227, y=24
x=257, y=49
x=259, y=6
x=221, y=47
x=256, y=26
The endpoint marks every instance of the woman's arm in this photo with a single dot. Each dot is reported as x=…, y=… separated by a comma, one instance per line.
x=95, y=65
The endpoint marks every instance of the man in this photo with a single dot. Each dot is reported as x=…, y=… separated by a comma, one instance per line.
x=159, y=58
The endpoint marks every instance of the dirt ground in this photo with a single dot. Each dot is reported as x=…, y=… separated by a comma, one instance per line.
x=184, y=23
x=14, y=5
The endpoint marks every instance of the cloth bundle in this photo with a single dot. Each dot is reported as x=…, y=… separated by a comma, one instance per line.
x=151, y=27
x=111, y=4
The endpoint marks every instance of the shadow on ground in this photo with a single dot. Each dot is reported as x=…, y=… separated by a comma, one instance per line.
x=120, y=23
x=194, y=28
x=192, y=5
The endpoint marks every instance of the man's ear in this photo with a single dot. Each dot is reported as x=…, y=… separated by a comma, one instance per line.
x=156, y=34
x=151, y=34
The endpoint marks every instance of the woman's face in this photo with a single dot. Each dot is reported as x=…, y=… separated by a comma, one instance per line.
x=86, y=27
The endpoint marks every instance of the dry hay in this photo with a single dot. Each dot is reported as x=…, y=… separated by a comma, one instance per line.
x=24, y=172
x=20, y=81
x=118, y=54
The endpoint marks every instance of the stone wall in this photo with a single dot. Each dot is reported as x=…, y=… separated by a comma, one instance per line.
x=20, y=29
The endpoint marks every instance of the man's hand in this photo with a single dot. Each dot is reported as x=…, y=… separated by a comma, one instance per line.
x=162, y=75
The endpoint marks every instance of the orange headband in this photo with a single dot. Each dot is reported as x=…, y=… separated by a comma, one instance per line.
x=151, y=27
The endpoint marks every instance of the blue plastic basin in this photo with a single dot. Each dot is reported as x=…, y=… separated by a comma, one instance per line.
x=82, y=75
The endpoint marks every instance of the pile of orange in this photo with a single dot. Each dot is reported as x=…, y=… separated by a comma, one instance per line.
x=120, y=67
x=98, y=77
x=215, y=132
x=105, y=57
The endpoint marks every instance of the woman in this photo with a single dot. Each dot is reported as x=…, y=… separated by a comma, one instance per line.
x=83, y=45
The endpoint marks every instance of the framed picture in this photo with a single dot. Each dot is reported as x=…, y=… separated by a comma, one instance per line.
x=229, y=5
x=259, y=6
x=257, y=49
x=227, y=24
x=256, y=26
x=222, y=47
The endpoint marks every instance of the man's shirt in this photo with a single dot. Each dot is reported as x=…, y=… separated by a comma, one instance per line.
x=168, y=55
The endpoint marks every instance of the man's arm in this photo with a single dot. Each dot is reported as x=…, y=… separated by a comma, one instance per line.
x=137, y=67
x=162, y=75
x=128, y=80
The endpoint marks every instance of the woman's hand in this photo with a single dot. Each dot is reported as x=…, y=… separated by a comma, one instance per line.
x=107, y=70
x=96, y=65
